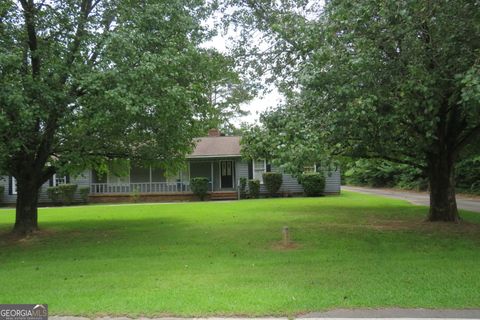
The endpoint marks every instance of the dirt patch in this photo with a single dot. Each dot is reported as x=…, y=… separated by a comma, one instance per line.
x=280, y=246
x=9, y=238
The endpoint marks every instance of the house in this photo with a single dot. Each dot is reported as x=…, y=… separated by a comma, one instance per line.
x=215, y=157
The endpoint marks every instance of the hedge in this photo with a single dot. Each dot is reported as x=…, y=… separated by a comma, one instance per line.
x=62, y=194
x=254, y=188
x=273, y=182
x=84, y=192
x=313, y=183
x=243, y=188
x=199, y=186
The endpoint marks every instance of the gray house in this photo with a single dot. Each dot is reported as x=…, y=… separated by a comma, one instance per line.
x=215, y=157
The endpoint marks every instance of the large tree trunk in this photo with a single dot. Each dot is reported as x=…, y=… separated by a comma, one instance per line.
x=443, y=205
x=26, y=220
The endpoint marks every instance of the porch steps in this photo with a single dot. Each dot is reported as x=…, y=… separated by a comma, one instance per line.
x=224, y=195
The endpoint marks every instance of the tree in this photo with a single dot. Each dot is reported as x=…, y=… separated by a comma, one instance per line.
x=227, y=92
x=88, y=81
x=395, y=80
x=287, y=139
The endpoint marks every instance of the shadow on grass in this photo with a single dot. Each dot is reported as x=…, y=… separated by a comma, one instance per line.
x=129, y=230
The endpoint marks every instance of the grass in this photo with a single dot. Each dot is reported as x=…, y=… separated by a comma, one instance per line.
x=225, y=258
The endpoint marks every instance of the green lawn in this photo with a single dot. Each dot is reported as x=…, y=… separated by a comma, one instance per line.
x=225, y=258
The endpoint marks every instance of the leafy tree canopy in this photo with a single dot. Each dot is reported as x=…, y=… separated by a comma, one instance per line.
x=91, y=80
x=393, y=80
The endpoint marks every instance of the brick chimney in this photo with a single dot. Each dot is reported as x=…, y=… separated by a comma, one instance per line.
x=214, y=133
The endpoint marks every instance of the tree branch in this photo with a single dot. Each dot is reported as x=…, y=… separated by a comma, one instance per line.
x=29, y=16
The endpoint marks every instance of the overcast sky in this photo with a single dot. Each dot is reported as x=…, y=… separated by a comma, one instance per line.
x=257, y=105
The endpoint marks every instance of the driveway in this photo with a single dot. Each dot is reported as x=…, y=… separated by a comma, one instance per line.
x=418, y=198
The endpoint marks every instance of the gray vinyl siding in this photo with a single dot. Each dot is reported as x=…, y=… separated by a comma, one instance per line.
x=332, y=181
x=290, y=183
x=6, y=198
x=83, y=180
x=241, y=170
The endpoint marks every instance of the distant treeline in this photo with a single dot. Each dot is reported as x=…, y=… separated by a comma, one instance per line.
x=381, y=173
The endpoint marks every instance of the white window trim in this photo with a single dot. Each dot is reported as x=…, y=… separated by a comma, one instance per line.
x=14, y=185
x=55, y=182
x=314, y=168
x=264, y=169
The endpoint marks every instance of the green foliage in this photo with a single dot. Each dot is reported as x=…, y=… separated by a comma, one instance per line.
x=228, y=91
x=135, y=194
x=386, y=174
x=243, y=188
x=272, y=181
x=285, y=137
x=313, y=183
x=85, y=84
x=253, y=188
x=53, y=194
x=84, y=192
x=67, y=193
x=392, y=80
x=62, y=194
x=199, y=187
x=468, y=175
x=381, y=173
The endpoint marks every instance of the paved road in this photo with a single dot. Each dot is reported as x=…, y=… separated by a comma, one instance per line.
x=418, y=198
x=338, y=314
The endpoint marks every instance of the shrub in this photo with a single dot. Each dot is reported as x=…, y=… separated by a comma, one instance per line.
x=67, y=193
x=313, y=183
x=53, y=194
x=84, y=191
x=199, y=187
x=254, y=188
x=135, y=194
x=273, y=182
x=243, y=188
x=62, y=194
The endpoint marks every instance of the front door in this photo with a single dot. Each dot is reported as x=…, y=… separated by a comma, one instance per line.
x=226, y=174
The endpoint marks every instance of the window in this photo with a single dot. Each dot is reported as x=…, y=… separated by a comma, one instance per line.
x=58, y=180
x=310, y=169
x=259, y=167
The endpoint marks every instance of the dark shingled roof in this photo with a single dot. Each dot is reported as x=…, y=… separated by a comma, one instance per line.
x=209, y=147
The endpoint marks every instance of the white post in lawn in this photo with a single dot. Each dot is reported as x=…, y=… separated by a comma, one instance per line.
x=286, y=236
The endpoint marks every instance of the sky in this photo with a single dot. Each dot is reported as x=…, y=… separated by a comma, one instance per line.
x=261, y=102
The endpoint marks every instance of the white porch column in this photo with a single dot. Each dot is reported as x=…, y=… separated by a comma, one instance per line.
x=150, y=177
x=211, y=174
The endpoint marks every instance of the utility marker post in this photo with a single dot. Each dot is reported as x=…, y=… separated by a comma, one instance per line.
x=286, y=236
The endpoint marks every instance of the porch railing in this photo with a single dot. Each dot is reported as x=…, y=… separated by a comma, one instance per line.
x=142, y=187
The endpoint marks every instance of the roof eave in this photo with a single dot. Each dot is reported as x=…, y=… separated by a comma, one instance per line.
x=215, y=156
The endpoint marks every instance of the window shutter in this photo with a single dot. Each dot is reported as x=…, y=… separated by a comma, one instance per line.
x=50, y=182
x=10, y=183
x=250, y=169
x=67, y=179
x=268, y=167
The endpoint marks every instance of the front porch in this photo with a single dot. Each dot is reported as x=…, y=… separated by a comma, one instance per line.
x=159, y=197
x=149, y=184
